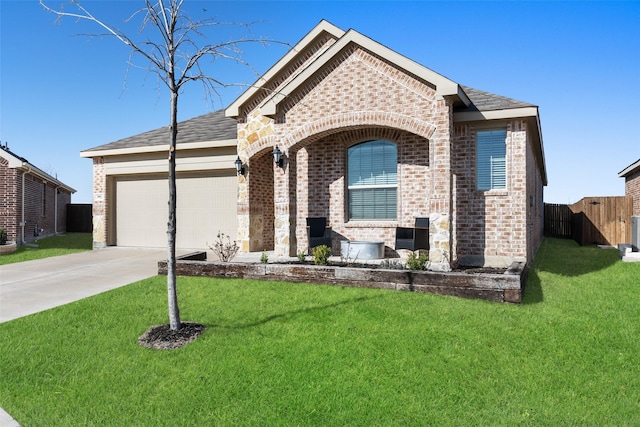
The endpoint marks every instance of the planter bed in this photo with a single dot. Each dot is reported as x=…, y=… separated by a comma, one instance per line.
x=505, y=287
x=8, y=248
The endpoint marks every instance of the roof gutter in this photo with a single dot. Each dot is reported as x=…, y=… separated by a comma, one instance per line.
x=55, y=206
x=629, y=169
x=158, y=148
x=29, y=168
x=511, y=113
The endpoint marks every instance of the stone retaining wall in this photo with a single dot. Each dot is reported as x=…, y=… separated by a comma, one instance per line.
x=507, y=287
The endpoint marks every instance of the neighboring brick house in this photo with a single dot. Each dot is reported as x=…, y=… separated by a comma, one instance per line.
x=631, y=175
x=32, y=203
x=371, y=140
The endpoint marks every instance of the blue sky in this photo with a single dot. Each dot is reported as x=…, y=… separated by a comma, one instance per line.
x=579, y=62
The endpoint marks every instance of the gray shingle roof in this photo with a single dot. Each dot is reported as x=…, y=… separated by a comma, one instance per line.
x=217, y=127
x=485, y=101
x=5, y=148
x=32, y=169
x=208, y=127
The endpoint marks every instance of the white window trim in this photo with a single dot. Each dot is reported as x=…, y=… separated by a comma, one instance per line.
x=395, y=186
x=494, y=191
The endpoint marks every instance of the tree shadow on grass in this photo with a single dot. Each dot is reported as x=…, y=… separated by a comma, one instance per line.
x=293, y=313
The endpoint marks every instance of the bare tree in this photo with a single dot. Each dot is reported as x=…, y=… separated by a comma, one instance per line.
x=167, y=40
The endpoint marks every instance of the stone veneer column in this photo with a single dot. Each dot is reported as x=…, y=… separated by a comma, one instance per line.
x=244, y=222
x=99, y=209
x=440, y=208
x=302, y=198
x=249, y=133
x=282, y=225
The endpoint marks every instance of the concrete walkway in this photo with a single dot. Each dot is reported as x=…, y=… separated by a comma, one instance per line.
x=33, y=286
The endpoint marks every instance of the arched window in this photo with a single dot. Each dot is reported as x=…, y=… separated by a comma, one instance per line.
x=372, y=180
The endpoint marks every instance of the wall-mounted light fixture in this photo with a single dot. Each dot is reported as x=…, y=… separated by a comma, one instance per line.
x=239, y=166
x=277, y=156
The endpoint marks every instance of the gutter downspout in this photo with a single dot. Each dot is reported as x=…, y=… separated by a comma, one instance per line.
x=55, y=212
x=23, y=222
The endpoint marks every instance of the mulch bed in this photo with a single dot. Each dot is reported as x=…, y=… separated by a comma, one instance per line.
x=483, y=270
x=161, y=337
x=458, y=269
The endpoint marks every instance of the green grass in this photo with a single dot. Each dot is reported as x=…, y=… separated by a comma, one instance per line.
x=49, y=247
x=293, y=354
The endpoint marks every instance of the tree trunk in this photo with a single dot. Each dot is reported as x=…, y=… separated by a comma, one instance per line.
x=172, y=292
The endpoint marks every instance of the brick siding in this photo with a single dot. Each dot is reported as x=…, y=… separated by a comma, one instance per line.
x=358, y=97
x=100, y=204
x=41, y=200
x=632, y=188
x=10, y=201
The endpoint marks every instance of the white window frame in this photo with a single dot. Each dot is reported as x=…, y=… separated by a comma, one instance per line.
x=491, y=159
x=391, y=179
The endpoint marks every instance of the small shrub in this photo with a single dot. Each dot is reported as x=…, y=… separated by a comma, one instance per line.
x=3, y=236
x=301, y=256
x=264, y=258
x=224, y=250
x=390, y=264
x=417, y=262
x=321, y=255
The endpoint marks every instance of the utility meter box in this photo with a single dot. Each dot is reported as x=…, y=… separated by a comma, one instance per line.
x=635, y=233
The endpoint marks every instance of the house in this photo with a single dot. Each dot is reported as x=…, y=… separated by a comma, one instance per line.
x=631, y=175
x=369, y=139
x=32, y=203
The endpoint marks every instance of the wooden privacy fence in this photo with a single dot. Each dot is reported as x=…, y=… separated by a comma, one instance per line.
x=79, y=218
x=593, y=220
x=558, y=221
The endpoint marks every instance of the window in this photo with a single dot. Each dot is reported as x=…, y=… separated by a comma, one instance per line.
x=372, y=180
x=491, y=166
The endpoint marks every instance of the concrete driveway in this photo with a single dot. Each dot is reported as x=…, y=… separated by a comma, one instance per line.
x=33, y=286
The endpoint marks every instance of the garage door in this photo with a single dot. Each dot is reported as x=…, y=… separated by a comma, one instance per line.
x=206, y=205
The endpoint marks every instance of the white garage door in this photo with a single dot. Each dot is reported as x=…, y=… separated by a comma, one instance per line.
x=206, y=205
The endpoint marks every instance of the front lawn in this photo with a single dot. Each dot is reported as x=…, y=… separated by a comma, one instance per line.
x=50, y=246
x=292, y=354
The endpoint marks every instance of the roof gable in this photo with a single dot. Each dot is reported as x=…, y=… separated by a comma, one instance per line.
x=13, y=160
x=632, y=168
x=443, y=86
x=323, y=29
